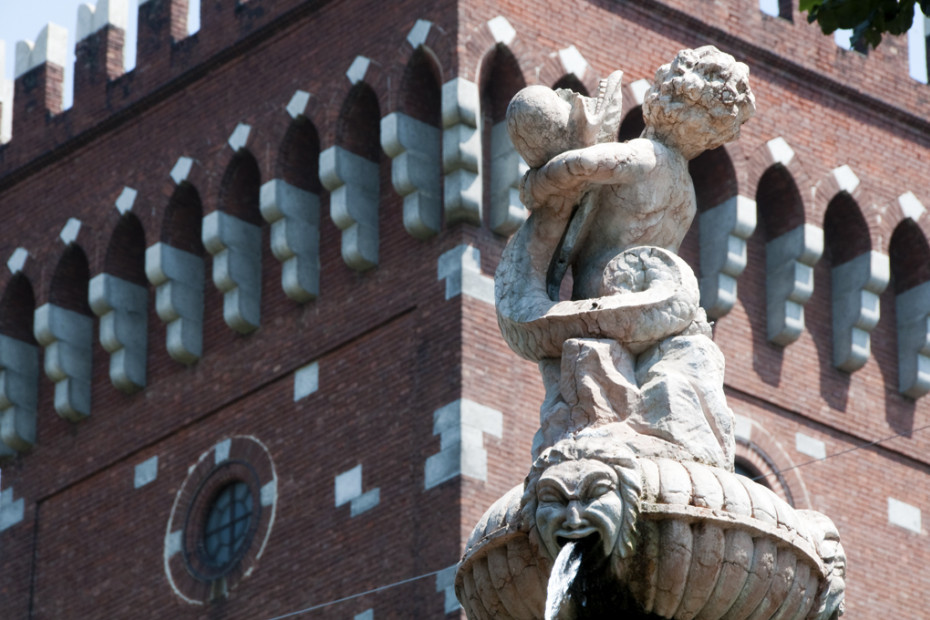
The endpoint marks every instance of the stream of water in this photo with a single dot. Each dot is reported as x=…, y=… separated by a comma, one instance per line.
x=563, y=574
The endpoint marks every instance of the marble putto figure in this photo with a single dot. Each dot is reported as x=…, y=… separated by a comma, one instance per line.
x=631, y=508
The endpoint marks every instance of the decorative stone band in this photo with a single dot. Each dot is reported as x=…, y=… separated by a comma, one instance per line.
x=649, y=294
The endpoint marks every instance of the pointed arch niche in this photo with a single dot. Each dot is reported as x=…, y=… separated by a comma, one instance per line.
x=857, y=278
x=909, y=255
x=411, y=138
x=233, y=235
x=350, y=170
x=64, y=327
x=500, y=78
x=291, y=204
x=175, y=267
x=120, y=296
x=791, y=250
x=19, y=367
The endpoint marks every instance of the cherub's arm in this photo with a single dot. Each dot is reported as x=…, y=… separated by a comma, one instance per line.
x=562, y=182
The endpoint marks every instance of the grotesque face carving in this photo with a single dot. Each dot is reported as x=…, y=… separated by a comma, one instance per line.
x=578, y=499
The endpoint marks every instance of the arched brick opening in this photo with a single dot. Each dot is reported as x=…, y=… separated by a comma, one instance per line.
x=845, y=231
x=571, y=82
x=17, y=309
x=69, y=281
x=240, y=188
x=714, y=178
x=299, y=156
x=421, y=93
x=632, y=125
x=125, y=257
x=500, y=80
x=181, y=226
x=359, y=127
x=909, y=255
x=779, y=202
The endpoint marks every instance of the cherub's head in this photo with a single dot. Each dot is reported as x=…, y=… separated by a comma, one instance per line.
x=699, y=100
x=584, y=488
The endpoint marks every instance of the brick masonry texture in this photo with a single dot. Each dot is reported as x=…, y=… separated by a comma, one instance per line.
x=390, y=348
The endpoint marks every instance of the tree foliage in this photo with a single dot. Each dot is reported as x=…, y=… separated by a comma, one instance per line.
x=868, y=19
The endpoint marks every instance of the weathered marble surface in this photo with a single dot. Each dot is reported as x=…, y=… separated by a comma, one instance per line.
x=632, y=496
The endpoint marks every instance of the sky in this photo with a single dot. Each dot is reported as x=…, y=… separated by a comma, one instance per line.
x=23, y=19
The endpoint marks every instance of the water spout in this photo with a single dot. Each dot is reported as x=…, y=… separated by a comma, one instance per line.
x=564, y=571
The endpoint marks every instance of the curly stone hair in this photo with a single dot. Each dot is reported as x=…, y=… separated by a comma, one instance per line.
x=594, y=448
x=703, y=79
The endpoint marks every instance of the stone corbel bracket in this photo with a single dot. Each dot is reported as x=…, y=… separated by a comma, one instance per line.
x=912, y=308
x=353, y=183
x=856, y=286
x=413, y=147
x=236, y=247
x=507, y=169
x=294, y=215
x=461, y=152
x=19, y=389
x=68, y=340
x=724, y=230
x=789, y=280
x=178, y=280
x=123, y=310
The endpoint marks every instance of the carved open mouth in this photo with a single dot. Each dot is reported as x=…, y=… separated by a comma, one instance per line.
x=588, y=538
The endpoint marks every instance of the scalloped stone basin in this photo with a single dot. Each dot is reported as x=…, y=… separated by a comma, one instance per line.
x=712, y=545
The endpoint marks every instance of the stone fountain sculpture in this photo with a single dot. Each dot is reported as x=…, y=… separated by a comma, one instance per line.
x=632, y=508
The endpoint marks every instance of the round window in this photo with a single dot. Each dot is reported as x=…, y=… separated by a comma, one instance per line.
x=227, y=524
x=221, y=520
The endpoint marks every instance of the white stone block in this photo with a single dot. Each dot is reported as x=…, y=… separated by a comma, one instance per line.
x=365, y=502
x=236, y=247
x=639, y=88
x=461, y=426
x=221, y=451
x=856, y=287
x=779, y=151
x=68, y=338
x=461, y=152
x=724, y=230
x=69, y=233
x=501, y=30
x=742, y=428
x=573, y=62
x=306, y=380
x=904, y=515
x=348, y=485
x=126, y=200
x=354, y=186
x=146, y=472
x=911, y=206
x=358, y=69
x=123, y=310
x=239, y=137
x=297, y=106
x=368, y=614
x=507, y=170
x=17, y=260
x=173, y=542
x=789, y=282
x=12, y=510
x=181, y=170
x=912, y=309
x=413, y=147
x=809, y=446
x=90, y=19
x=294, y=215
x=178, y=277
x=269, y=493
x=51, y=46
x=417, y=35
x=445, y=583
x=460, y=267
x=845, y=178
